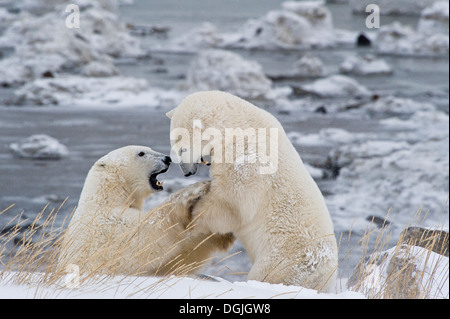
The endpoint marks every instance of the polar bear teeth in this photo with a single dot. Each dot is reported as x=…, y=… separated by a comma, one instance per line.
x=158, y=183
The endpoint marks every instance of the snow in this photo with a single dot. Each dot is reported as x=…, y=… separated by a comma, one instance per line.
x=309, y=66
x=365, y=65
x=39, y=146
x=435, y=18
x=336, y=86
x=166, y=288
x=227, y=71
x=297, y=25
x=388, y=7
x=74, y=90
x=428, y=270
x=42, y=45
x=399, y=39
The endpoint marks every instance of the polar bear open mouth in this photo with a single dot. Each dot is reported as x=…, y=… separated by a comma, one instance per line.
x=154, y=183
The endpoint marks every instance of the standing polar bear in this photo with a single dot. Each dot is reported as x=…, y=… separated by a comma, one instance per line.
x=270, y=203
x=109, y=232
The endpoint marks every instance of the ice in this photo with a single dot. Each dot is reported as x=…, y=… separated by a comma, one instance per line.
x=365, y=65
x=227, y=71
x=424, y=271
x=40, y=147
x=336, y=86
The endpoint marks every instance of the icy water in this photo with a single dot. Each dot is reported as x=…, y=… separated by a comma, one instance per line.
x=89, y=133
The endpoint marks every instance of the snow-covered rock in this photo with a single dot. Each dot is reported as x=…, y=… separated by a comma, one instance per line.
x=157, y=288
x=336, y=86
x=227, y=71
x=77, y=90
x=402, y=272
x=206, y=36
x=309, y=66
x=398, y=172
x=39, y=146
x=435, y=19
x=365, y=65
x=392, y=105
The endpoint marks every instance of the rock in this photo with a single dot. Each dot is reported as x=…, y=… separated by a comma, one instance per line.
x=40, y=147
x=365, y=65
x=435, y=18
x=309, y=66
x=389, y=7
x=433, y=239
x=227, y=71
x=399, y=39
x=363, y=41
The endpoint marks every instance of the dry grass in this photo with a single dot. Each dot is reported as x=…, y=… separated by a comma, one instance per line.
x=31, y=254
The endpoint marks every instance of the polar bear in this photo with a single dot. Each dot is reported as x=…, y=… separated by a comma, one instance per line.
x=109, y=232
x=279, y=213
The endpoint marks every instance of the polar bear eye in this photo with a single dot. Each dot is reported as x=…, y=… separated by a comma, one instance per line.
x=141, y=154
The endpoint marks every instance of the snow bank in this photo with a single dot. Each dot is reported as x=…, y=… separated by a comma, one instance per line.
x=309, y=66
x=400, y=172
x=40, y=147
x=75, y=90
x=336, y=86
x=389, y=7
x=365, y=65
x=227, y=71
x=167, y=288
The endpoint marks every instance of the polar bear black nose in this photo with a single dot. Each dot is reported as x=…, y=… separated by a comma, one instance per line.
x=167, y=160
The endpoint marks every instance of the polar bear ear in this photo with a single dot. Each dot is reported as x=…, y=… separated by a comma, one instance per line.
x=170, y=114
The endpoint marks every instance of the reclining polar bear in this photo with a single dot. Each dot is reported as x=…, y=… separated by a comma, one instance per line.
x=280, y=217
x=109, y=232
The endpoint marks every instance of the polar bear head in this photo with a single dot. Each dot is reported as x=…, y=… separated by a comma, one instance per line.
x=220, y=128
x=135, y=168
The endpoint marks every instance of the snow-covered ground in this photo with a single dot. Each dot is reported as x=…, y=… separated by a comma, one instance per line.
x=375, y=139
x=167, y=288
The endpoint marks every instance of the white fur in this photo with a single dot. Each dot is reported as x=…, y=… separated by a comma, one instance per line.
x=281, y=219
